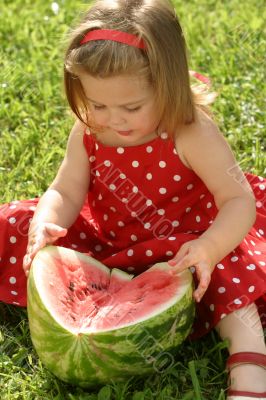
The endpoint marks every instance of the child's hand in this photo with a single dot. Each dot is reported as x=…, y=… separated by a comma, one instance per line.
x=39, y=236
x=196, y=253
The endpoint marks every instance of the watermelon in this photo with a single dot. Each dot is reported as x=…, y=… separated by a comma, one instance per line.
x=91, y=325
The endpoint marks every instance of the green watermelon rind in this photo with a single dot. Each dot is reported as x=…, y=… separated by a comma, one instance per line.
x=90, y=359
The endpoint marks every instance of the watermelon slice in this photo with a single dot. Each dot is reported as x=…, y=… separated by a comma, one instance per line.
x=90, y=325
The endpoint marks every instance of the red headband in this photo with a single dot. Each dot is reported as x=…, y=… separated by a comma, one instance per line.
x=116, y=36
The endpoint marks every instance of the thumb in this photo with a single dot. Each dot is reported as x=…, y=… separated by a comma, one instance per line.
x=179, y=255
x=56, y=230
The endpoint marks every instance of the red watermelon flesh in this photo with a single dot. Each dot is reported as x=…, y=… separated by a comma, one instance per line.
x=87, y=296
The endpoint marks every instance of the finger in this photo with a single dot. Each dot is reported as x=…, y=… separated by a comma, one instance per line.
x=186, y=262
x=179, y=256
x=204, y=277
x=55, y=230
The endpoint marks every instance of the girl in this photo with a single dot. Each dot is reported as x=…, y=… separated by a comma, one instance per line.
x=148, y=177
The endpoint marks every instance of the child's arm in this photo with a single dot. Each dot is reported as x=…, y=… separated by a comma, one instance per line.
x=61, y=203
x=209, y=155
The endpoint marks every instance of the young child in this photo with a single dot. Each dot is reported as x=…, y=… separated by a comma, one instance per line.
x=148, y=177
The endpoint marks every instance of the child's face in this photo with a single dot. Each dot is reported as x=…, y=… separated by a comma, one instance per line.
x=123, y=105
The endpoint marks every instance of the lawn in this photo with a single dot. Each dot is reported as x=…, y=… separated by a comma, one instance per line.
x=226, y=42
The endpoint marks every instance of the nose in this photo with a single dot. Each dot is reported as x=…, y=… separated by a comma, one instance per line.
x=116, y=119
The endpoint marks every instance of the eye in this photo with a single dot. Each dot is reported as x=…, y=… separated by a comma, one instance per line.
x=96, y=107
x=133, y=109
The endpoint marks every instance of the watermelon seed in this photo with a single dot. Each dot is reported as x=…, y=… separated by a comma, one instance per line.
x=71, y=286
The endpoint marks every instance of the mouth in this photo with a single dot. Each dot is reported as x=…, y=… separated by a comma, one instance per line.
x=124, y=133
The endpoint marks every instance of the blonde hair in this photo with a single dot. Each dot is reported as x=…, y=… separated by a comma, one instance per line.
x=163, y=63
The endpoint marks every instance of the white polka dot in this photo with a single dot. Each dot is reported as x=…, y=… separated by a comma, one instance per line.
x=202, y=196
x=222, y=316
x=259, y=204
x=124, y=200
x=162, y=190
x=14, y=293
x=122, y=176
x=169, y=253
x=112, y=186
x=250, y=252
x=130, y=269
x=147, y=225
x=221, y=289
x=188, y=209
x=107, y=163
x=100, y=197
x=212, y=307
x=130, y=252
x=96, y=146
x=237, y=301
x=12, y=207
x=177, y=178
x=98, y=247
x=253, y=243
x=175, y=223
x=209, y=205
x=175, y=152
x=135, y=189
x=198, y=219
x=207, y=325
x=12, y=239
x=97, y=173
x=135, y=164
x=262, y=263
x=133, y=214
x=92, y=158
x=113, y=209
x=112, y=233
x=82, y=235
x=236, y=280
x=161, y=211
x=251, y=267
x=13, y=260
x=251, y=289
x=257, y=252
x=74, y=246
x=149, y=176
x=162, y=164
x=234, y=258
x=12, y=280
x=105, y=217
x=120, y=150
x=110, y=244
x=175, y=199
x=262, y=187
x=120, y=223
x=261, y=178
x=172, y=238
x=261, y=232
x=148, y=202
x=164, y=135
x=258, y=234
x=134, y=238
x=149, y=253
x=12, y=220
x=190, y=186
x=149, y=149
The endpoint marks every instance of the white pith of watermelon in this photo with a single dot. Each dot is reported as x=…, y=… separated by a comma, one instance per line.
x=87, y=323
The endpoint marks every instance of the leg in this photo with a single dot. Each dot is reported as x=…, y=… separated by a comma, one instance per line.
x=244, y=331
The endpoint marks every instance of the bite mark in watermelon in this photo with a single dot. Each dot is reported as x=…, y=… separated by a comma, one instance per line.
x=90, y=325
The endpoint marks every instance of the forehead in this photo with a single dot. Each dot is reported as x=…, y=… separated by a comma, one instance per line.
x=120, y=89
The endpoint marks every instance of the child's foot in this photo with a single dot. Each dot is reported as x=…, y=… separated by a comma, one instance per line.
x=247, y=374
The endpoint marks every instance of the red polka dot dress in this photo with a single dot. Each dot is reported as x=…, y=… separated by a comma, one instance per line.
x=143, y=204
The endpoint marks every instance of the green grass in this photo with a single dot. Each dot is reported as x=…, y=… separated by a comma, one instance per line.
x=227, y=43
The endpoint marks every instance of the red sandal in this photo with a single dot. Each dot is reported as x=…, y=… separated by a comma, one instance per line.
x=245, y=358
